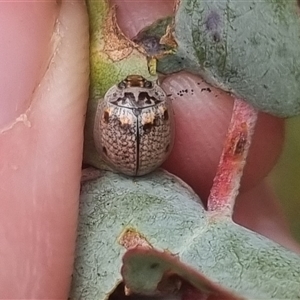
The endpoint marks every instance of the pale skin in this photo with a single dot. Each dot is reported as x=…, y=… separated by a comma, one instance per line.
x=42, y=116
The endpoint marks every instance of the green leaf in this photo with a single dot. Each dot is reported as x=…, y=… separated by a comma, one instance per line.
x=164, y=273
x=159, y=211
x=250, y=48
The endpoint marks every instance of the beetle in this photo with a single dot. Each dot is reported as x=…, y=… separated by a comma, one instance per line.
x=134, y=126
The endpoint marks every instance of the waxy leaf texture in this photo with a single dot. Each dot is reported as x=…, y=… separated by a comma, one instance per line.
x=168, y=216
x=250, y=48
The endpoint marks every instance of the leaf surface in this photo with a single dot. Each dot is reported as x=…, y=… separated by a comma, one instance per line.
x=164, y=214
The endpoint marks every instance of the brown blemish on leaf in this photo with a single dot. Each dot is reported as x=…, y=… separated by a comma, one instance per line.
x=116, y=45
x=150, y=44
x=237, y=144
x=156, y=46
x=131, y=238
x=168, y=39
x=240, y=144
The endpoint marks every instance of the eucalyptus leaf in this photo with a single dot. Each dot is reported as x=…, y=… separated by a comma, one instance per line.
x=152, y=205
x=169, y=216
x=250, y=48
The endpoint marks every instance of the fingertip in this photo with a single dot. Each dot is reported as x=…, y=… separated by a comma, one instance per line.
x=134, y=15
x=25, y=31
x=202, y=116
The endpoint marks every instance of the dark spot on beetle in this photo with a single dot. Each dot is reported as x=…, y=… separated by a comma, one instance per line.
x=198, y=83
x=169, y=95
x=156, y=121
x=129, y=96
x=213, y=21
x=144, y=97
x=167, y=148
x=124, y=126
x=122, y=100
x=147, y=127
x=104, y=150
x=166, y=115
x=265, y=86
x=106, y=116
x=206, y=89
x=154, y=265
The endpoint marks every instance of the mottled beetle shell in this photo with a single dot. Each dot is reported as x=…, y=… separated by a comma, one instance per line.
x=134, y=126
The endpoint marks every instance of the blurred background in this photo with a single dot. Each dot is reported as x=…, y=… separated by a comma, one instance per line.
x=285, y=177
